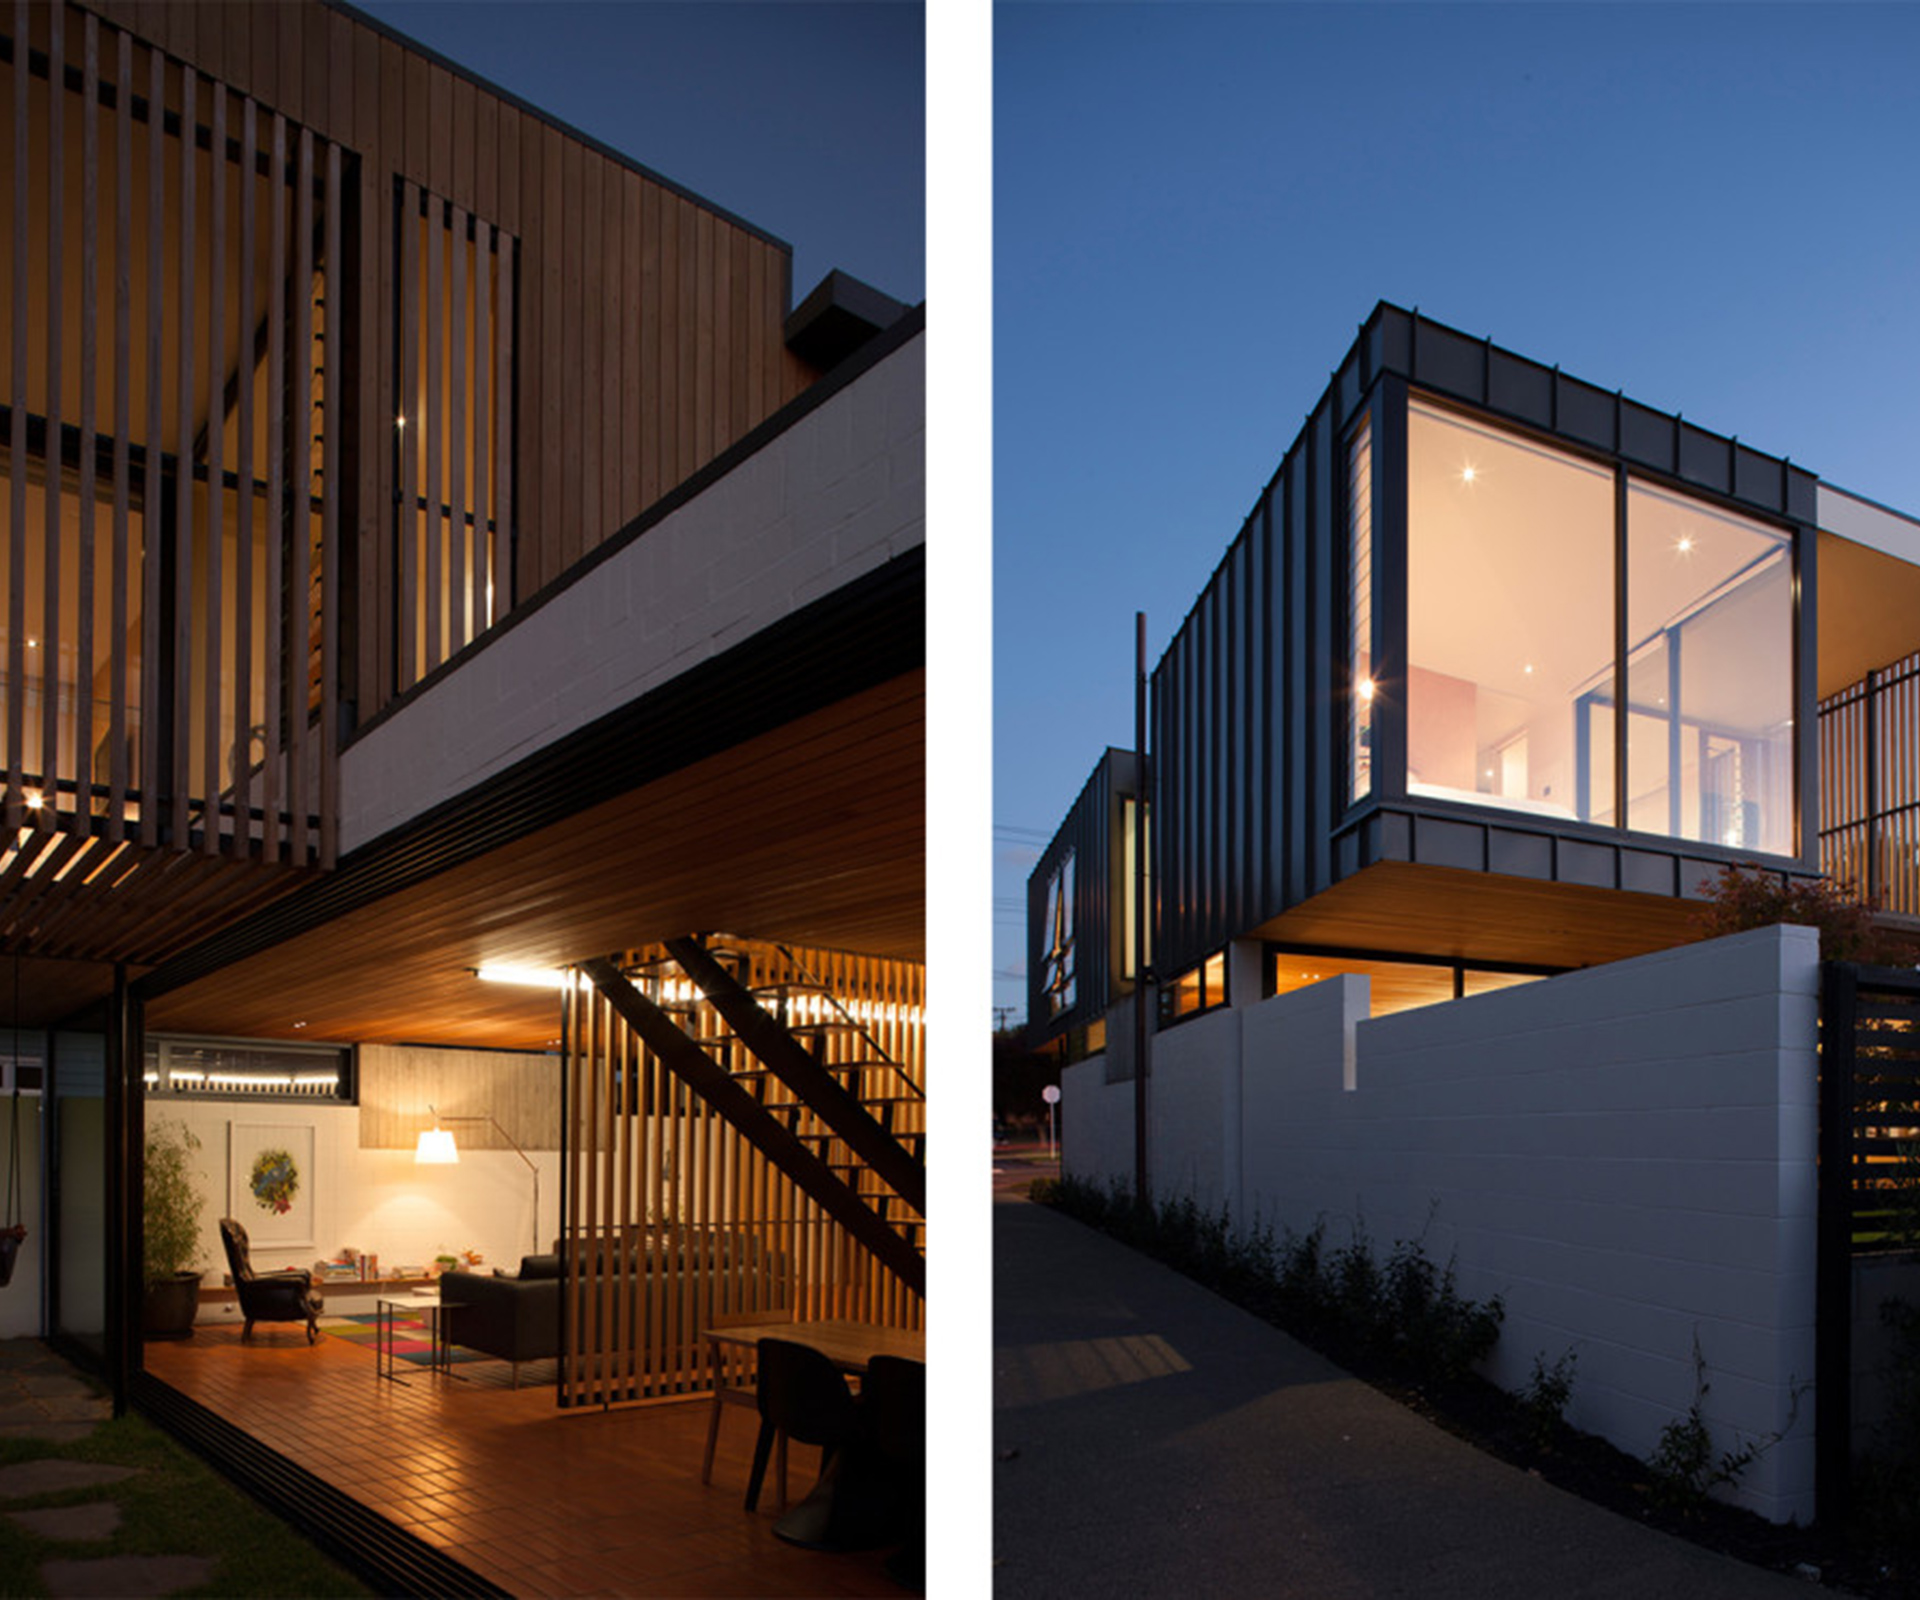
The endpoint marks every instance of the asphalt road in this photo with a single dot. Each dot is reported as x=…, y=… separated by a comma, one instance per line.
x=1153, y=1440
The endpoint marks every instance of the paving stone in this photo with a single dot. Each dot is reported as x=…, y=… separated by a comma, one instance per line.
x=56, y=1385
x=28, y=1478
x=21, y=1352
x=126, y=1577
x=85, y=1409
x=51, y=1432
x=96, y=1520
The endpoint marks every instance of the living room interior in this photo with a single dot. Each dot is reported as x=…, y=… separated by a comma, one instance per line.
x=808, y=837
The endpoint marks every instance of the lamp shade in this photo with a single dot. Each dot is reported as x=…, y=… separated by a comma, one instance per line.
x=436, y=1148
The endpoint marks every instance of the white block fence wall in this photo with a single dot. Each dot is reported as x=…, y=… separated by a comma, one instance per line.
x=1626, y=1155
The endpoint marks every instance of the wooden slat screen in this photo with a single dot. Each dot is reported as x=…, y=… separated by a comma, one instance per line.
x=1870, y=786
x=672, y=1219
x=1870, y=1104
x=159, y=548
x=453, y=436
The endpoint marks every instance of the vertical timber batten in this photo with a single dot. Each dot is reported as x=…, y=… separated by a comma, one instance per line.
x=672, y=1217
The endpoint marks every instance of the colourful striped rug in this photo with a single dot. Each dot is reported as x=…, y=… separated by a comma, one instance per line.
x=410, y=1336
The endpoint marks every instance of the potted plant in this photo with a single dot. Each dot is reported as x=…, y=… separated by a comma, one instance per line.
x=173, y=1207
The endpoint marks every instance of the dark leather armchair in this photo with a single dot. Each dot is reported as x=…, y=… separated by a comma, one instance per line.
x=287, y=1296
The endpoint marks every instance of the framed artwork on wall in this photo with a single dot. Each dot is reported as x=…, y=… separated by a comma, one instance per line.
x=270, y=1183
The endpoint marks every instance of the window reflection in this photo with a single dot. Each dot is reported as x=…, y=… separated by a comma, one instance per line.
x=1512, y=698
x=1510, y=616
x=1709, y=674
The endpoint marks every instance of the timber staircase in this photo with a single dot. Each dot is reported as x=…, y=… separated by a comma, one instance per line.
x=800, y=1069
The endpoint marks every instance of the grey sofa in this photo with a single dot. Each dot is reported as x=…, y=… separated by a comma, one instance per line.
x=697, y=1272
x=516, y=1319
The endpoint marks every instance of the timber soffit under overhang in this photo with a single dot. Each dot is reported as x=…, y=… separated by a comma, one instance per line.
x=811, y=835
x=863, y=635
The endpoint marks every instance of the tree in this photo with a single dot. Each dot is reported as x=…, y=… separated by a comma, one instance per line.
x=1750, y=896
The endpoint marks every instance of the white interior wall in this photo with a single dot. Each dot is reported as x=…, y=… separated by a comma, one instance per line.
x=376, y=1200
x=1626, y=1155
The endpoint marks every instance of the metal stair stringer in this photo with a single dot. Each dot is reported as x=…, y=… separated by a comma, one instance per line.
x=687, y=1061
x=789, y=1061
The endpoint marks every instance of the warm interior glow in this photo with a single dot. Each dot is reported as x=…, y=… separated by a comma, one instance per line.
x=436, y=1149
x=531, y=977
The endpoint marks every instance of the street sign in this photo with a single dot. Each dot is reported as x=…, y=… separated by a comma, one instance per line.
x=1051, y=1094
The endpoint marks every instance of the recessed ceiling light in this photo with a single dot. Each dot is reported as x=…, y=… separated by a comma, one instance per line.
x=1469, y=474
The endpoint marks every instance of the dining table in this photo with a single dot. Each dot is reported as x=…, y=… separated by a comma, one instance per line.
x=848, y=1344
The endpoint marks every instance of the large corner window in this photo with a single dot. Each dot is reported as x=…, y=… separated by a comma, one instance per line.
x=1515, y=677
x=1510, y=554
x=1056, y=973
x=1709, y=674
x=1360, y=612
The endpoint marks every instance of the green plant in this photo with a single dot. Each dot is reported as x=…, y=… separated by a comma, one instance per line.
x=173, y=1201
x=1406, y=1313
x=1543, y=1402
x=1685, y=1469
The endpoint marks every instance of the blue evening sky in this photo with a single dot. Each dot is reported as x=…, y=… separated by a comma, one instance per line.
x=806, y=118
x=1710, y=206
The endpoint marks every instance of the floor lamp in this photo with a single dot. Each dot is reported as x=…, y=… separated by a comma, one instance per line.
x=437, y=1149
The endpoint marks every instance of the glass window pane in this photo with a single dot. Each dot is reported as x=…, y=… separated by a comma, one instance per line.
x=1710, y=679
x=1510, y=620
x=1360, y=611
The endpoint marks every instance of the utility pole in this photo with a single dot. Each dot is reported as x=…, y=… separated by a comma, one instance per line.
x=1141, y=911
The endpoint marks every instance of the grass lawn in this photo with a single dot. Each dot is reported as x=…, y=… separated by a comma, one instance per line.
x=176, y=1506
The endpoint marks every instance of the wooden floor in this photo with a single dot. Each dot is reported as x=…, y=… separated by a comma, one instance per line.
x=538, y=1500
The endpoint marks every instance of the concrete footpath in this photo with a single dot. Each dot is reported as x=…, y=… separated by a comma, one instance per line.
x=1151, y=1439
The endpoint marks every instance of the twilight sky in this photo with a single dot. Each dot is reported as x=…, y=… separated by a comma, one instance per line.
x=806, y=118
x=1710, y=206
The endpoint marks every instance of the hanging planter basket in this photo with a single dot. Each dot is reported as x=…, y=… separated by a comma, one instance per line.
x=10, y=1241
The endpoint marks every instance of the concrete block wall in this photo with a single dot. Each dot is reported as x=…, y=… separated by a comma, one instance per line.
x=838, y=494
x=1625, y=1155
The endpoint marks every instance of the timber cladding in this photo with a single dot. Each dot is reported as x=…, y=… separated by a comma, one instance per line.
x=674, y=1219
x=647, y=326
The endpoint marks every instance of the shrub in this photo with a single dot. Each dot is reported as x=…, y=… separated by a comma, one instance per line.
x=1685, y=1469
x=1544, y=1400
x=1406, y=1314
x=1750, y=896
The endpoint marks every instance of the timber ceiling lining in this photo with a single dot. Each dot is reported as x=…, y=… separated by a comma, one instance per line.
x=812, y=833
x=1446, y=912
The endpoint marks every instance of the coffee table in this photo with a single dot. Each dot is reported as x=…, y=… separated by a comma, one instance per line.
x=388, y=1311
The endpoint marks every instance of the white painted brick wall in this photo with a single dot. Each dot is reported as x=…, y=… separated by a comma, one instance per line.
x=1626, y=1155
x=839, y=494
